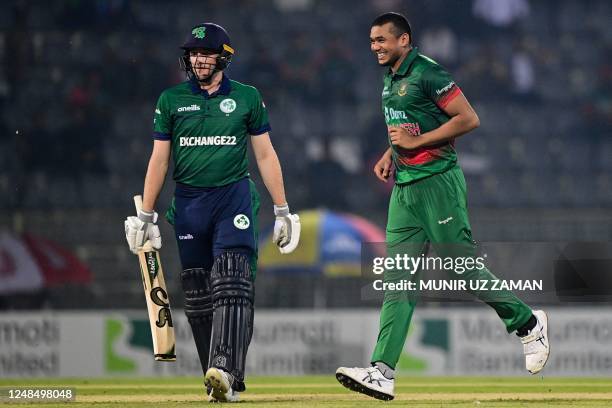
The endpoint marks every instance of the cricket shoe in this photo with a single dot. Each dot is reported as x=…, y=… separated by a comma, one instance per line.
x=219, y=386
x=369, y=381
x=535, y=344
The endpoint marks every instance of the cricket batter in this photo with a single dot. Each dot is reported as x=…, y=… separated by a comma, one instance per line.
x=204, y=123
x=425, y=111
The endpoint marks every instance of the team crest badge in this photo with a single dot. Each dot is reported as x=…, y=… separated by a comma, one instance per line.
x=241, y=221
x=199, y=32
x=227, y=105
x=403, y=89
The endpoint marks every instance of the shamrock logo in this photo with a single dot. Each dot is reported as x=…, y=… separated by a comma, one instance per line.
x=241, y=221
x=199, y=32
x=227, y=105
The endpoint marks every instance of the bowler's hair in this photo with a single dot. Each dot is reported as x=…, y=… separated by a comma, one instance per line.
x=400, y=24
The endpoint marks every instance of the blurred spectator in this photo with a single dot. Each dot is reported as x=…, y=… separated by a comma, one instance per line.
x=81, y=143
x=485, y=74
x=335, y=72
x=296, y=68
x=330, y=180
x=265, y=75
x=522, y=72
x=18, y=56
x=501, y=13
x=440, y=43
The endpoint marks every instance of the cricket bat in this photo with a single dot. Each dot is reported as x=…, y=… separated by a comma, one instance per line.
x=158, y=303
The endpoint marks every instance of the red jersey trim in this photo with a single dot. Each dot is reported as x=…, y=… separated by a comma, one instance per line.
x=422, y=157
x=448, y=97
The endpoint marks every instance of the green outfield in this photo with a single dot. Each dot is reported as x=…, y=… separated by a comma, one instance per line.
x=315, y=391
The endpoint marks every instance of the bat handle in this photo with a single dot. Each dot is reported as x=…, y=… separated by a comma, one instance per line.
x=138, y=202
x=138, y=205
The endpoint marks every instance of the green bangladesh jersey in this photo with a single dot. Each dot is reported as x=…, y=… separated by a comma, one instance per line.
x=209, y=132
x=414, y=98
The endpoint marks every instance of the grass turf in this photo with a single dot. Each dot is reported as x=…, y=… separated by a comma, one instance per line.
x=325, y=391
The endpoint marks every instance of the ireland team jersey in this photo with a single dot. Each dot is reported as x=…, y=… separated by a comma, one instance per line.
x=209, y=132
x=414, y=98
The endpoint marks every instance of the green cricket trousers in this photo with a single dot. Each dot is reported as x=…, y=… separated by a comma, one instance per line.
x=433, y=210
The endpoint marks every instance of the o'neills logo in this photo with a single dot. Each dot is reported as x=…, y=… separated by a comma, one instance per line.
x=191, y=108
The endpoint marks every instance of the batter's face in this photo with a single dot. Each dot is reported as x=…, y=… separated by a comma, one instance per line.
x=203, y=63
x=387, y=47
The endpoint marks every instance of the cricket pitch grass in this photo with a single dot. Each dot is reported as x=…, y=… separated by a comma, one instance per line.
x=325, y=391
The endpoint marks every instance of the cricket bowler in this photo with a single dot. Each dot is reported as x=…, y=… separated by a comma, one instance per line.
x=204, y=123
x=425, y=111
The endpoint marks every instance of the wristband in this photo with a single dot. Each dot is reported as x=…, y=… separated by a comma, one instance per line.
x=281, y=210
x=146, y=216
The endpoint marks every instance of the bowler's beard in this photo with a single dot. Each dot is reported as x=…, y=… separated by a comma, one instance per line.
x=392, y=60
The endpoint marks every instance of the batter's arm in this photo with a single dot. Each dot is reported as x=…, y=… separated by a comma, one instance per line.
x=269, y=167
x=156, y=173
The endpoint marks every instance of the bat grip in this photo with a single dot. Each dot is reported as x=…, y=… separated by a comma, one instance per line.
x=138, y=202
x=138, y=205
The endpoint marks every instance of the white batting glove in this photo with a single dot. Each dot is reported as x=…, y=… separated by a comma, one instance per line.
x=286, y=229
x=140, y=229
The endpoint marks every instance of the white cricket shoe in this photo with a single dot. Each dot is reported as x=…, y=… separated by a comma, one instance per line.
x=535, y=344
x=220, y=385
x=369, y=381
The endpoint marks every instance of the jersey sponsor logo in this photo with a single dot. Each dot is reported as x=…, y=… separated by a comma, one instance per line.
x=403, y=89
x=412, y=127
x=227, y=105
x=445, y=89
x=445, y=221
x=184, y=237
x=191, y=108
x=207, y=141
x=392, y=114
x=241, y=221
